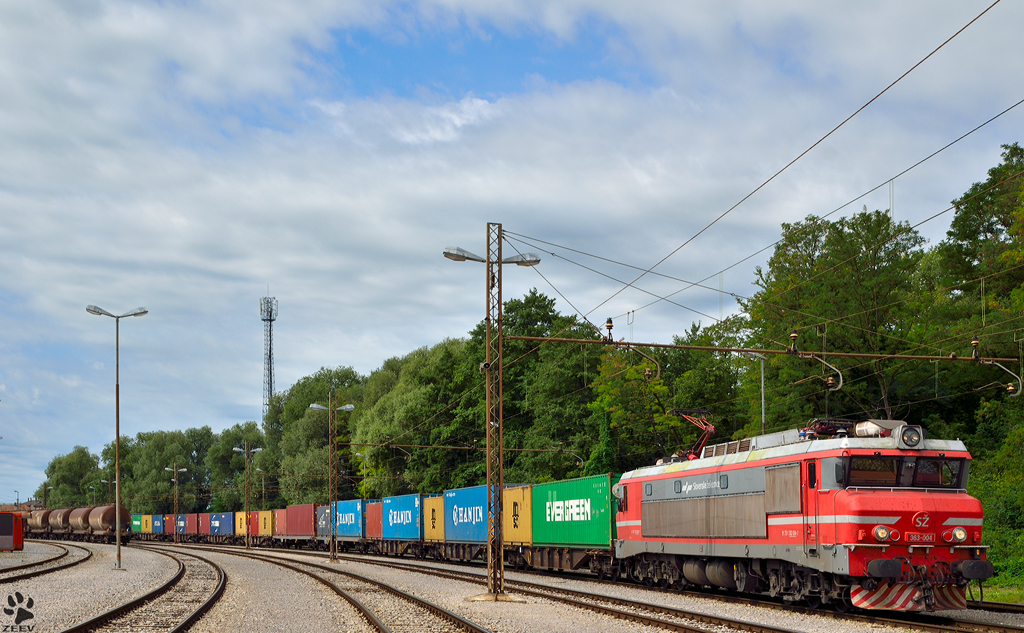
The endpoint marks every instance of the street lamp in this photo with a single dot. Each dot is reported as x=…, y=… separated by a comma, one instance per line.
x=104, y=481
x=45, y=488
x=264, y=478
x=17, y=498
x=752, y=356
x=493, y=371
x=137, y=312
x=332, y=465
x=363, y=486
x=247, y=454
x=176, y=470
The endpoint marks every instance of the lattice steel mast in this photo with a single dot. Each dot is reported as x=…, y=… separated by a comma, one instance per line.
x=268, y=314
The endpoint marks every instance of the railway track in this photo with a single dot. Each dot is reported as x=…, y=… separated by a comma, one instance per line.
x=914, y=621
x=998, y=607
x=47, y=565
x=667, y=618
x=172, y=607
x=386, y=608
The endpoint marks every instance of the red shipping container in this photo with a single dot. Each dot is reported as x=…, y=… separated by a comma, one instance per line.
x=374, y=520
x=254, y=523
x=203, y=519
x=280, y=522
x=302, y=520
x=169, y=521
x=191, y=524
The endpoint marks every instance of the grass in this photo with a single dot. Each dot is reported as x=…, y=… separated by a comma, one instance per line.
x=1001, y=594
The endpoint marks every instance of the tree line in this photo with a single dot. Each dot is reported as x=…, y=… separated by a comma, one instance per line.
x=862, y=283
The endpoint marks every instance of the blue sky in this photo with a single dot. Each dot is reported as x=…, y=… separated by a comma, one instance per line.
x=183, y=155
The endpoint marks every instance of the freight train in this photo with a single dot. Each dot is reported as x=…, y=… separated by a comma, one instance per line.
x=869, y=515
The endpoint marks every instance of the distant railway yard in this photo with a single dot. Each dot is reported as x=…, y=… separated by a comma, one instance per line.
x=163, y=587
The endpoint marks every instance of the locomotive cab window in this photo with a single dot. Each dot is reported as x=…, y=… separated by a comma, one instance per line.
x=647, y=490
x=678, y=485
x=723, y=481
x=937, y=473
x=874, y=471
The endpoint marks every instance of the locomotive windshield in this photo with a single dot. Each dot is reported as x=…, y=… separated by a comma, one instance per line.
x=903, y=472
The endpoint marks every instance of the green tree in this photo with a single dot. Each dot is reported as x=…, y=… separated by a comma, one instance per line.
x=71, y=475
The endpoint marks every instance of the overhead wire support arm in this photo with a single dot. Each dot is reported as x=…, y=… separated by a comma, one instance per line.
x=741, y=350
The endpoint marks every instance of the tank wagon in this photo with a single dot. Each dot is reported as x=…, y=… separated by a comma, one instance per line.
x=93, y=524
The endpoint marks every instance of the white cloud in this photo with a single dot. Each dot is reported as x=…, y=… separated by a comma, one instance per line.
x=129, y=177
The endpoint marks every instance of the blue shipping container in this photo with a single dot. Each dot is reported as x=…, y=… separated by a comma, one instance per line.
x=402, y=518
x=158, y=524
x=179, y=524
x=465, y=515
x=349, y=520
x=222, y=523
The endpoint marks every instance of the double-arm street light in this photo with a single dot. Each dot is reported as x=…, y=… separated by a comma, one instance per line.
x=247, y=453
x=137, y=312
x=332, y=461
x=493, y=371
x=176, y=470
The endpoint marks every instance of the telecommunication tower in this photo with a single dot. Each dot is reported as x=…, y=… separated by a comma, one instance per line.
x=268, y=314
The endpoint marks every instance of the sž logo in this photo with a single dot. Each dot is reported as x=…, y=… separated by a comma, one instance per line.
x=922, y=520
x=22, y=612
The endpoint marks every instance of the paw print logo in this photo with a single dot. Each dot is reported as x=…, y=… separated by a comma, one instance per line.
x=23, y=612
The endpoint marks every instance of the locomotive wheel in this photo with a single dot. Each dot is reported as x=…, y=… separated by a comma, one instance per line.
x=600, y=574
x=648, y=581
x=843, y=604
x=615, y=574
x=813, y=600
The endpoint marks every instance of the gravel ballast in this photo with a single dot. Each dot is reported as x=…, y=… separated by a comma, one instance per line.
x=32, y=553
x=69, y=596
x=264, y=597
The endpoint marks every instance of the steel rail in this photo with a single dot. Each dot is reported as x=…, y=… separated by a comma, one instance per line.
x=209, y=602
x=439, y=611
x=998, y=607
x=64, y=552
x=359, y=606
x=131, y=604
x=47, y=570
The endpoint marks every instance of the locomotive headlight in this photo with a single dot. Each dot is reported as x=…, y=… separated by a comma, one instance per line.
x=959, y=534
x=881, y=533
x=911, y=436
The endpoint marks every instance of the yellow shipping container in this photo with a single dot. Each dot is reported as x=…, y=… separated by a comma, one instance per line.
x=147, y=523
x=433, y=519
x=239, y=524
x=266, y=523
x=516, y=517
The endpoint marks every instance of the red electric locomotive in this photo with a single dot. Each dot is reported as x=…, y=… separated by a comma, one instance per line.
x=868, y=514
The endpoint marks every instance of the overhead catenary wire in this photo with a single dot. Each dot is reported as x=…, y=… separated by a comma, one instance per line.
x=801, y=155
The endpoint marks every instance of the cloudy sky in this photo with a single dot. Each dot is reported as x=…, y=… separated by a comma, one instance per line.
x=187, y=156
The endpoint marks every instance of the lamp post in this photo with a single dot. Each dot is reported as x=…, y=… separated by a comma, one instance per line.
x=247, y=453
x=493, y=371
x=363, y=486
x=752, y=356
x=104, y=481
x=137, y=312
x=332, y=462
x=45, y=488
x=263, y=477
x=177, y=470
x=17, y=498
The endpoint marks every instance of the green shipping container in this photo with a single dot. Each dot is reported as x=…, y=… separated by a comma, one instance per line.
x=137, y=523
x=575, y=513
